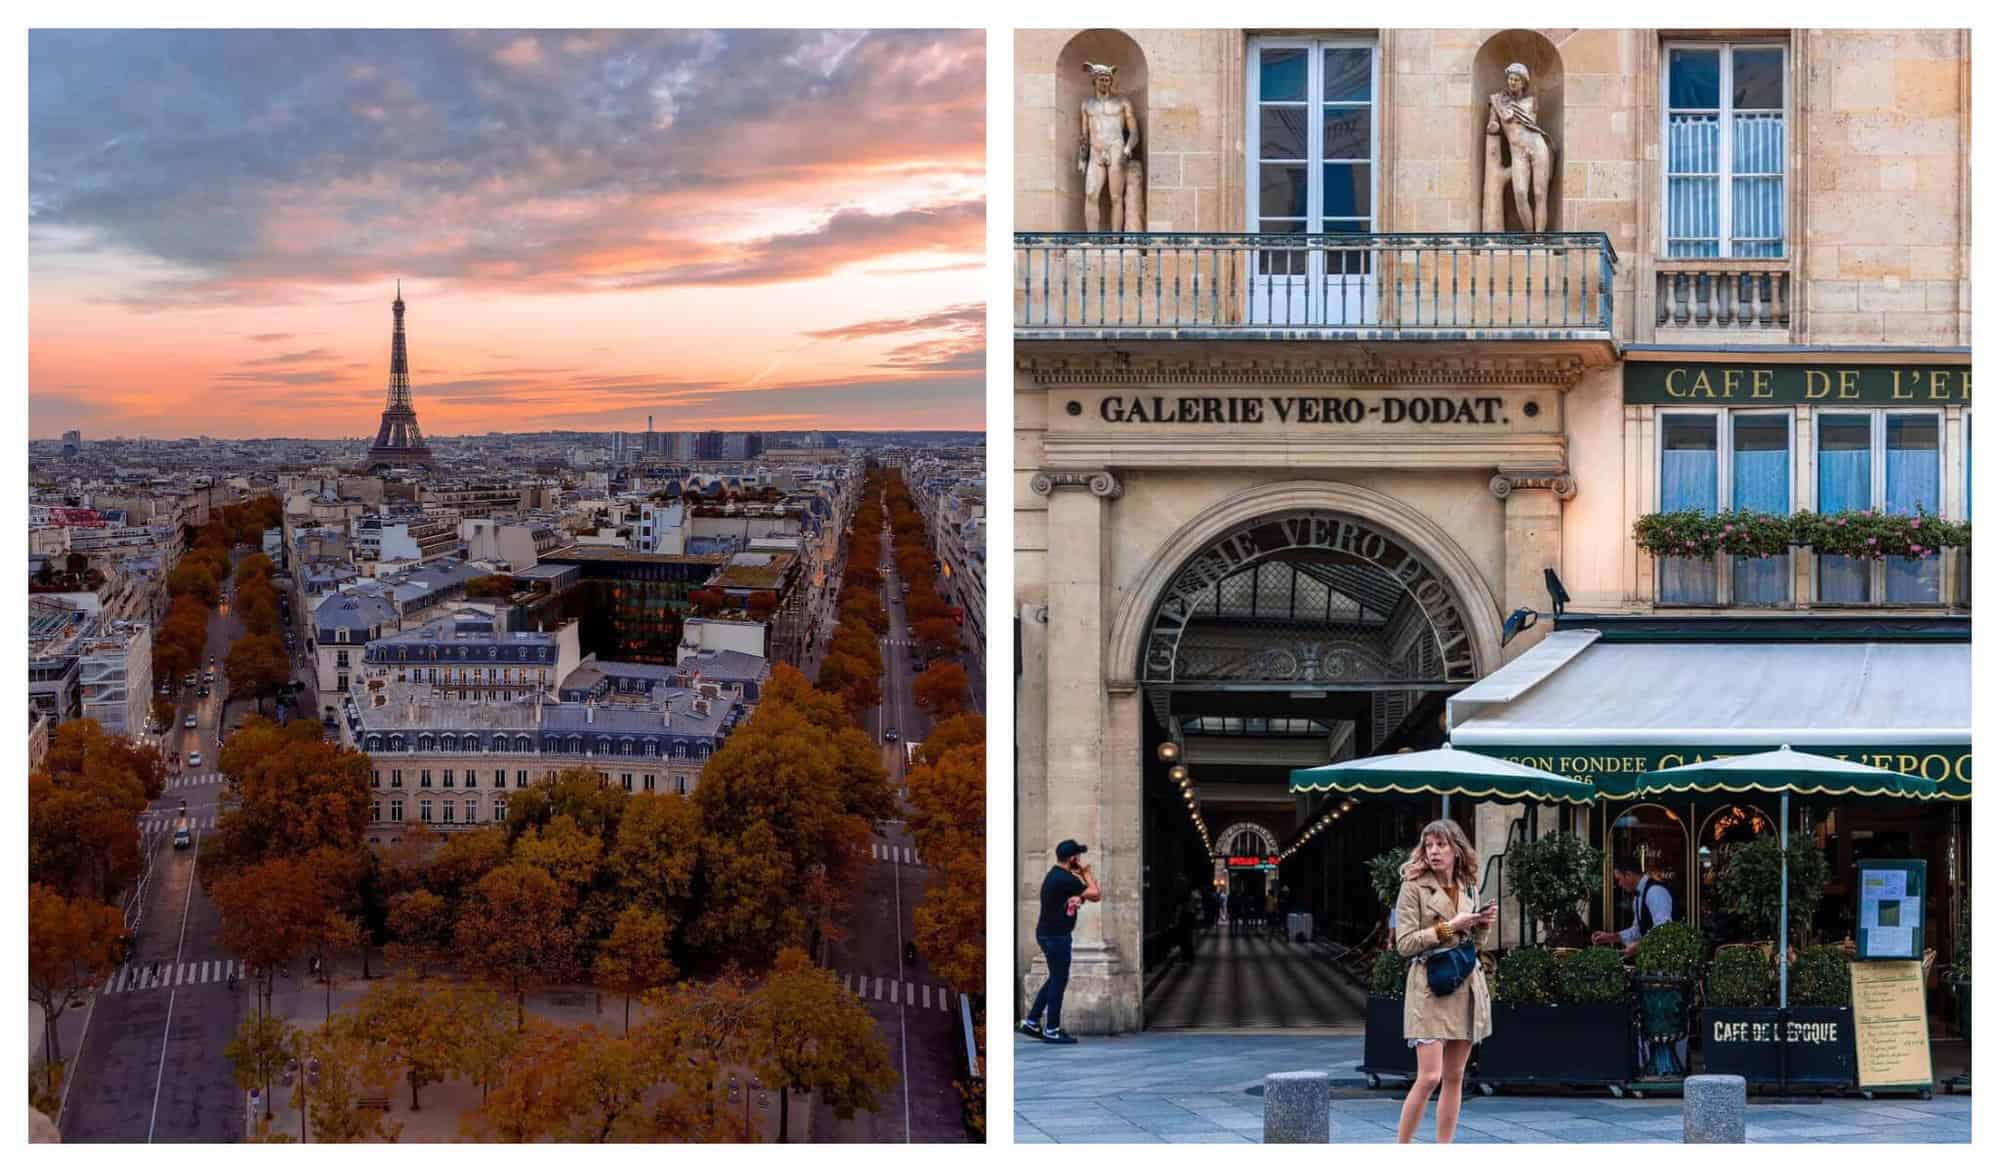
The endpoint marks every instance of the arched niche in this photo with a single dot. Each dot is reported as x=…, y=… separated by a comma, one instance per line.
x=1545, y=82
x=1103, y=46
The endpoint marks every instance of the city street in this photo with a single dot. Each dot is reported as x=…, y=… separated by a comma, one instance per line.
x=150, y=1064
x=924, y=1107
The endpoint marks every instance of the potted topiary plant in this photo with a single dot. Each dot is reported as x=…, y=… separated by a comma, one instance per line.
x=1552, y=876
x=1383, y=1050
x=1747, y=885
x=1664, y=966
x=1559, y=1021
x=1741, y=1025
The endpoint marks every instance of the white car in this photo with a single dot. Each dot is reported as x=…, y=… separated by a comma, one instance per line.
x=189, y=722
x=194, y=759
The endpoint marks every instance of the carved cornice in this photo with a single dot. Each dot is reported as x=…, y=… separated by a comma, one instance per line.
x=1125, y=369
x=1504, y=483
x=1099, y=482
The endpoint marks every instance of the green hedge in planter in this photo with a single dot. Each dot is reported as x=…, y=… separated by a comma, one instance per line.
x=1525, y=976
x=1820, y=977
x=1390, y=970
x=1741, y=978
x=1673, y=949
x=1594, y=976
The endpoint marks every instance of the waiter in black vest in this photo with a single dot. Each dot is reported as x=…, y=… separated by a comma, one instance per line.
x=1654, y=905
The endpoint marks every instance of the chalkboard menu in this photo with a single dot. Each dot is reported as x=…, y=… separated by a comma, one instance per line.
x=1892, y=1040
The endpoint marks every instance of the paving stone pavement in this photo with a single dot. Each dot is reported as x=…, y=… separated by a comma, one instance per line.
x=1193, y=1087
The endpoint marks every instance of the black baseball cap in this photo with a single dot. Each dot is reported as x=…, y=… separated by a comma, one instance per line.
x=1068, y=849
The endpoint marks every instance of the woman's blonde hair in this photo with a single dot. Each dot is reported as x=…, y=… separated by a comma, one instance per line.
x=1465, y=867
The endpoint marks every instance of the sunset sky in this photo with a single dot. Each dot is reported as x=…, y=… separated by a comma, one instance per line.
x=761, y=230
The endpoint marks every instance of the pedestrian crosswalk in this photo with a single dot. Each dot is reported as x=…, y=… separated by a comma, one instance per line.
x=897, y=992
x=885, y=853
x=887, y=642
x=153, y=827
x=135, y=977
x=193, y=780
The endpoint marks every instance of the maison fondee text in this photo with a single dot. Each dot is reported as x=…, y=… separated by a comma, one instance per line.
x=1715, y=383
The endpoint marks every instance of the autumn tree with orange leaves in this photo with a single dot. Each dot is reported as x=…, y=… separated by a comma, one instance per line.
x=73, y=945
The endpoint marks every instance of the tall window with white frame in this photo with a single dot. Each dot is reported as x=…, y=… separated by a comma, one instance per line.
x=1312, y=170
x=1892, y=462
x=1725, y=150
x=1755, y=476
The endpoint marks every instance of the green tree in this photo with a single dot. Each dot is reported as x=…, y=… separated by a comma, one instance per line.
x=813, y=1036
x=579, y=793
x=261, y=1047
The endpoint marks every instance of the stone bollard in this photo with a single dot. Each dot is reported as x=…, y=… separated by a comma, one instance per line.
x=1712, y=1109
x=1295, y=1108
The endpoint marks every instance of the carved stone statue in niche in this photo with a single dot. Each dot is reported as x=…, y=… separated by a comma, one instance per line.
x=1513, y=136
x=1104, y=153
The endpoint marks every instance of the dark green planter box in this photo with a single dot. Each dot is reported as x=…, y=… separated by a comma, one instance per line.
x=1579, y=1045
x=1744, y=1041
x=1383, y=1048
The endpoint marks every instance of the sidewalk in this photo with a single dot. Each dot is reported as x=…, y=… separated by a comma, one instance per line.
x=1192, y=1087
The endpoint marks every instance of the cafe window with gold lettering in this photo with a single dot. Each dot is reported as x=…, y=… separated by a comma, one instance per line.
x=1719, y=461
x=1890, y=462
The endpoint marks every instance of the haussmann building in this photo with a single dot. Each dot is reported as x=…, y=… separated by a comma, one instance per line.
x=1360, y=376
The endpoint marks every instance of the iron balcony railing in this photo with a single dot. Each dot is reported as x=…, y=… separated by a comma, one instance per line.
x=1404, y=284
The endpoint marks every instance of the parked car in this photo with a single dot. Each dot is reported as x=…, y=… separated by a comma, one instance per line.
x=189, y=680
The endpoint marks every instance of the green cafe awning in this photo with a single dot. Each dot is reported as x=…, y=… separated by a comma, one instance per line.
x=1608, y=713
x=1447, y=771
x=1785, y=770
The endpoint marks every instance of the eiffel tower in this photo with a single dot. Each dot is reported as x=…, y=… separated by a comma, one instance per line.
x=400, y=442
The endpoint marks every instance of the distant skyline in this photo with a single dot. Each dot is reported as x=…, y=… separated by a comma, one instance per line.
x=731, y=230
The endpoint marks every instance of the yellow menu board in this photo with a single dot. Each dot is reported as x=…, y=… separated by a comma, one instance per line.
x=1892, y=1039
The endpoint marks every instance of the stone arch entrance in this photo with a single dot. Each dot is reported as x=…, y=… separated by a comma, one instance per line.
x=1294, y=625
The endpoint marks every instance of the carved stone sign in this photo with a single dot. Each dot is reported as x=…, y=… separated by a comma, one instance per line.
x=1302, y=532
x=1481, y=410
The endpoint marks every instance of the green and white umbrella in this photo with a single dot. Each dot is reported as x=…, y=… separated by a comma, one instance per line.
x=1445, y=771
x=1785, y=771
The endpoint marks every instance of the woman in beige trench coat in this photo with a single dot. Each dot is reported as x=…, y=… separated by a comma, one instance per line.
x=1438, y=907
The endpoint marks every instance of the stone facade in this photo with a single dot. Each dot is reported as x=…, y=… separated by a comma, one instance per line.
x=1550, y=460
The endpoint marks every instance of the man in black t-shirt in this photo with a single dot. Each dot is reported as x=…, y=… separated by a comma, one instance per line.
x=1068, y=884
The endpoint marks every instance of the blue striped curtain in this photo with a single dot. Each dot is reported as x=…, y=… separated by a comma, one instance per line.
x=1694, y=199
x=1843, y=485
x=1911, y=482
x=1762, y=481
x=1687, y=481
x=1757, y=193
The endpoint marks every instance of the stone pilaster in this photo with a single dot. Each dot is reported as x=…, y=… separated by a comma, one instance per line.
x=1074, y=798
x=1533, y=501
